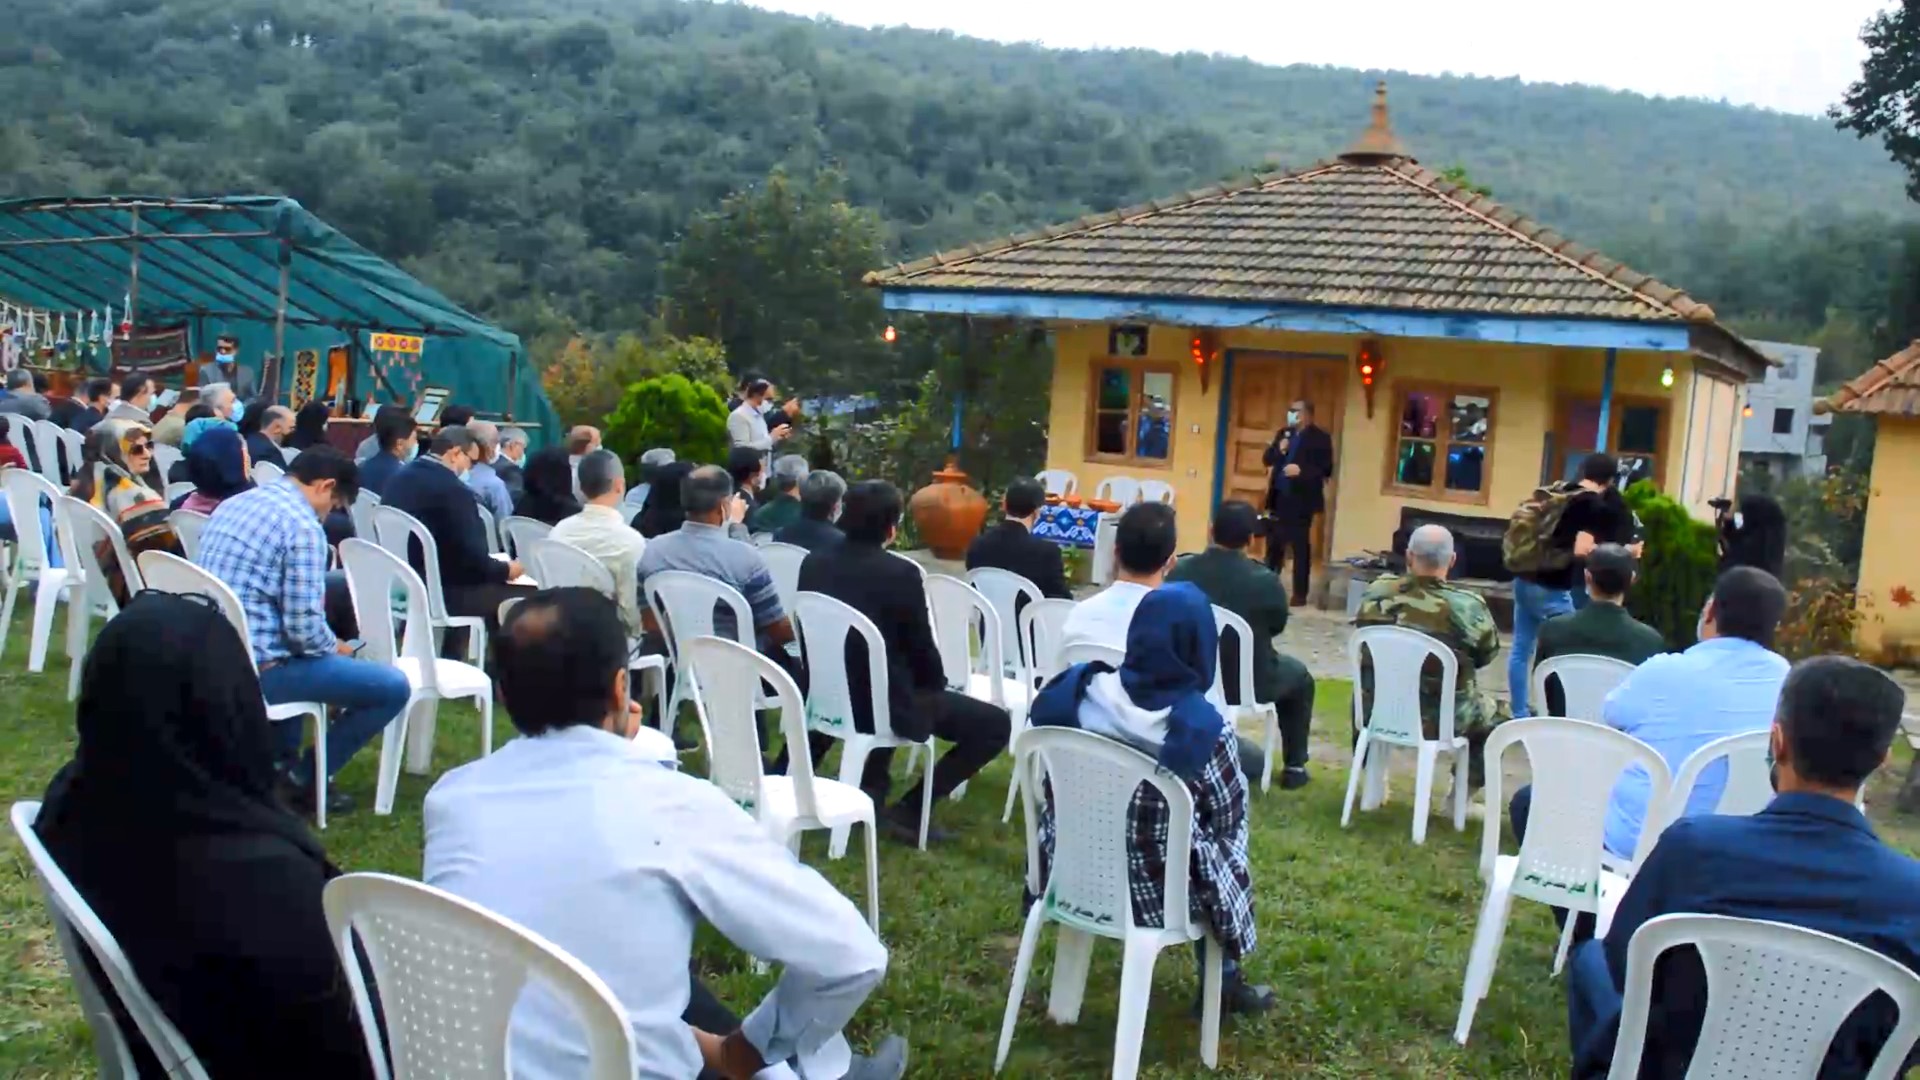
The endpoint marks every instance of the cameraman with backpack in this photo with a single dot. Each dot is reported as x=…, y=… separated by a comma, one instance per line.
x=1546, y=544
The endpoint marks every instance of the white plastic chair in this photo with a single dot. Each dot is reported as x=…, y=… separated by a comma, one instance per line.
x=825, y=626
x=1006, y=590
x=87, y=525
x=1575, y=764
x=188, y=525
x=169, y=573
x=730, y=675
x=20, y=435
x=47, y=441
x=520, y=533
x=1777, y=995
x=375, y=575
x=1585, y=682
x=556, y=564
x=361, y=513
x=1088, y=892
x=493, y=533
x=683, y=606
x=1156, y=491
x=1749, y=784
x=1043, y=627
x=1088, y=652
x=1124, y=490
x=1398, y=655
x=32, y=562
x=165, y=457
x=81, y=933
x=449, y=973
x=288, y=453
x=266, y=472
x=783, y=561
x=910, y=560
x=1226, y=622
x=396, y=527
x=178, y=490
x=962, y=615
x=1058, y=481
x=75, y=446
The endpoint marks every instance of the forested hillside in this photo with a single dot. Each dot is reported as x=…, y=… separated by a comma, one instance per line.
x=530, y=152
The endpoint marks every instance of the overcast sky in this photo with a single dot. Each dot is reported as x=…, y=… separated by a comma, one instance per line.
x=1796, y=57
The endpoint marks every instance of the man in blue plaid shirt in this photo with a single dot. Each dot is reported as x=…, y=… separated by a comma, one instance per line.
x=269, y=547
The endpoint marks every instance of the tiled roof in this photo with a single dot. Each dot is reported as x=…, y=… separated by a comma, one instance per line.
x=1382, y=233
x=1888, y=388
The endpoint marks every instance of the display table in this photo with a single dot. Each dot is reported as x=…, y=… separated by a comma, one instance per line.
x=1080, y=527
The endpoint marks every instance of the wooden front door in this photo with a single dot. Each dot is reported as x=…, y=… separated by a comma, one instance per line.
x=1264, y=384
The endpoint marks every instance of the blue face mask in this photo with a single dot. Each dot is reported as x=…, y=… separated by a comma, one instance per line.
x=239, y=410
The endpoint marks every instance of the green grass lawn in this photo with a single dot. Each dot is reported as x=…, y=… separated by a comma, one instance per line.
x=1363, y=935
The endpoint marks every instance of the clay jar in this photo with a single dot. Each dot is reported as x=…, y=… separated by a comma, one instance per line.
x=948, y=513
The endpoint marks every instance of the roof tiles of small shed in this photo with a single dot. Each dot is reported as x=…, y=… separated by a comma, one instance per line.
x=1888, y=388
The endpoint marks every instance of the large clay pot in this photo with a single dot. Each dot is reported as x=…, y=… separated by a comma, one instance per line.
x=948, y=513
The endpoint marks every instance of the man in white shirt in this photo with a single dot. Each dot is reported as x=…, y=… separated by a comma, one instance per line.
x=600, y=530
x=1142, y=553
x=617, y=858
x=747, y=426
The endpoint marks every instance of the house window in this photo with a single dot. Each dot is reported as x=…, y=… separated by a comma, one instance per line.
x=1132, y=414
x=1443, y=447
x=1783, y=421
x=1636, y=437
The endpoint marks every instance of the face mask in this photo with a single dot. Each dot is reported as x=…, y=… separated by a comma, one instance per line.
x=224, y=358
x=239, y=410
x=1293, y=417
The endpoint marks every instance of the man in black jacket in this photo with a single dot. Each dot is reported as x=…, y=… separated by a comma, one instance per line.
x=1301, y=458
x=429, y=487
x=820, y=495
x=1012, y=546
x=886, y=589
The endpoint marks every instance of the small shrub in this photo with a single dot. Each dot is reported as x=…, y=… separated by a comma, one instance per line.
x=671, y=411
x=1823, y=614
x=1677, y=567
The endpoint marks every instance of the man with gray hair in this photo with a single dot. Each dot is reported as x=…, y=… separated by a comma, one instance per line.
x=488, y=488
x=1423, y=600
x=600, y=530
x=783, y=509
x=650, y=462
x=22, y=399
x=814, y=529
x=707, y=544
x=506, y=465
x=263, y=442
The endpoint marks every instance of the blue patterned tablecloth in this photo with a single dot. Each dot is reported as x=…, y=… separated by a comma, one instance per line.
x=1067, y=526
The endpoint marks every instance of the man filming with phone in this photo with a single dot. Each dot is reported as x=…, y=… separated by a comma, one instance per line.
x=1301, y=457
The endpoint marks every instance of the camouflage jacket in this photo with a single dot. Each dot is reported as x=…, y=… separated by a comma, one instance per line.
x=1454, y=615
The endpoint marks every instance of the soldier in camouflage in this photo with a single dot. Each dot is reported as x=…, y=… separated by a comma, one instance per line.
x=1422, y=600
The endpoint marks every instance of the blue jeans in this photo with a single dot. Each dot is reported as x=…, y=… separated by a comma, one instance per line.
x=1532, y=605
x=367, y=696
x=1593, y=1005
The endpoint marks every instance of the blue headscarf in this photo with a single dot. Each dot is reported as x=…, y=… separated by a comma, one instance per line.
x=1172, y=645
x=198, y=427
x=216, y=463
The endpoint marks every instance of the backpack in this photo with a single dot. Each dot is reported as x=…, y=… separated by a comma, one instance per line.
x=1527, y=547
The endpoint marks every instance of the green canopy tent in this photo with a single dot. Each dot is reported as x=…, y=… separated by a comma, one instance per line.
x=268, y=272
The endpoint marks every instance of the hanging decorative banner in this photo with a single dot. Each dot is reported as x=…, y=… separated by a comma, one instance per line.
x=396, y=359
x=397, y=343
x=153, y=349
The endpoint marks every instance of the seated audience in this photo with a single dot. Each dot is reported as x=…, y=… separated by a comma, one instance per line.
x=473, y=582
x=663, y=512
x=97, y=397
x=167, y=824
x=863, y=574
x=1157, y=704
x=618, y=859
x=1602, y=627
x=783, y=507
x=508, y=465
x=268, y=546
x=1143, y=546
x=23, y=399
x=488, y=488
x=549, y=488
x=1252, y=591
x=266, y=434
x=1012, y=546
x=396, y=437
x=820, y=498
x=581, y=441
x=1424, y=600
x=217, y=465
x=748, y=469
x=12, y=458
x=137, y=394
x=600, y=531
x=650, y=463
x=310, y=426
x=1809, y=859
x=705, y=544
x=116, y=458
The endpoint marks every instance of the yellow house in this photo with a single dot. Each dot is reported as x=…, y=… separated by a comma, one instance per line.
x=1890, y=393
x=1457, y=353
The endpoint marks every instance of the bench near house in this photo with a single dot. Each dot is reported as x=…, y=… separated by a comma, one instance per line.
x=1457, y=352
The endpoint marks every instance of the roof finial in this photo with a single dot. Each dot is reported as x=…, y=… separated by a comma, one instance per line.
x=1377, y=145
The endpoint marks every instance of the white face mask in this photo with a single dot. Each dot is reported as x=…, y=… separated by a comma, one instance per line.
x=1293, y=417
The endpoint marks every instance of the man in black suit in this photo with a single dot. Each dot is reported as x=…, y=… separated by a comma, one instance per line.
x=99, y=398
x=1012, y=546
x=886, y=589
x=820, y=495
x=430, y=488
x=1301, y=458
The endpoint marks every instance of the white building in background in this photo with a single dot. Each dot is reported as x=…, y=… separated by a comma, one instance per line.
x=1782, y=434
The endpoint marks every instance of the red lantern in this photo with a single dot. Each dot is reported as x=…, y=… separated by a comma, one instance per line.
x=1371, y=366
x=1204, y=347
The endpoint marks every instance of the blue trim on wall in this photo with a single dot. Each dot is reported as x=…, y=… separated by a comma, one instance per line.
x=1220, y=435
x=1300, y=318
x=1606, y=402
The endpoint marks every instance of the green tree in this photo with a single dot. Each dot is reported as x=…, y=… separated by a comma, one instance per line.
x=1886, y=100
x=587, y=377
x=774, y=275
x=688, y=418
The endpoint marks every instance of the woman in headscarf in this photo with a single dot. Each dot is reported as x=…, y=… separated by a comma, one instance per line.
x=1157, y=704
x=663, y=512
x=199, y=418
x=167, y=823
x=549, y=494
x=309, y=426
x=116, y=457
x=219, y=466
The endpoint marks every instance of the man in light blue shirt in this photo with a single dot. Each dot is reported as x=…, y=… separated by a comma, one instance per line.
x=488, y=489
x=1728, y=684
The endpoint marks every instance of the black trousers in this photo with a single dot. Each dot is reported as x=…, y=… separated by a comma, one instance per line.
x=1518, y=809
x=477, y=601
x=977, y=729
x=1285, y=533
